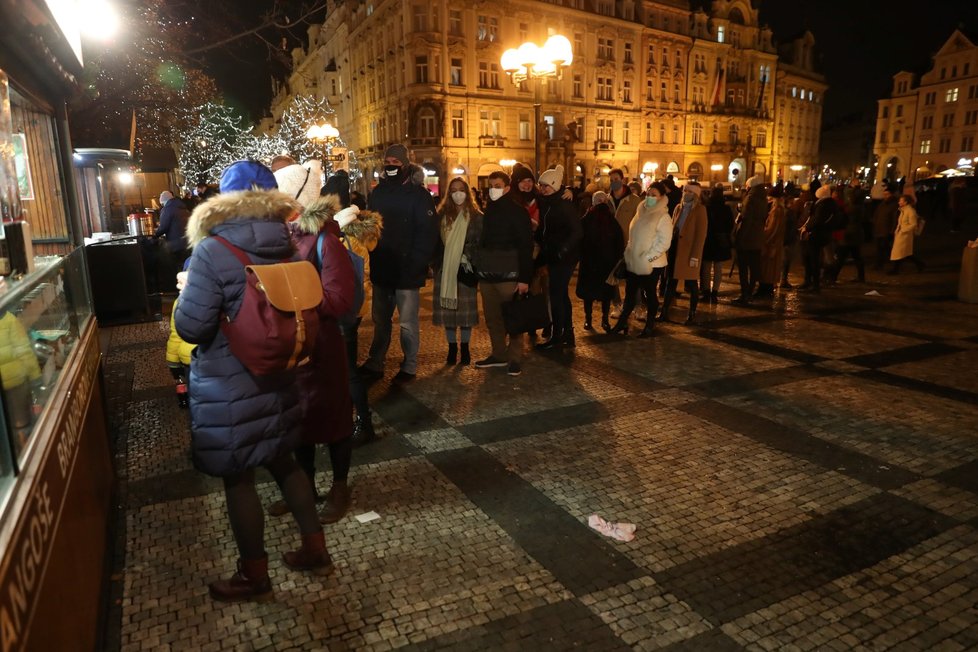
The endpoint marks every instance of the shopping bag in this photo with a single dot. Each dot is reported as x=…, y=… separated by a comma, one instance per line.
x=525, y=313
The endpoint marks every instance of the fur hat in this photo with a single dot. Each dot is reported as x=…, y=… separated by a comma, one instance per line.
x=301, y=182
x=399, y=152
x=600, y=197
x=247, y=175
x=756, y=180
x=554, y=177
x=694, y=188
x=520, y=172
x=165, y=196
x=823, y=192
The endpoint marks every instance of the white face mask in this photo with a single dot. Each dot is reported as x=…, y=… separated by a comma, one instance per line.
x=496, y=193
x=458, y=197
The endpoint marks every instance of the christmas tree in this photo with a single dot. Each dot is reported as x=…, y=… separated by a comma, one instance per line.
x=293, y=131
x=210, y=144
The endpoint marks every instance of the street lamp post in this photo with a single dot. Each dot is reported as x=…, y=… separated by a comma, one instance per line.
x=531, y=61
x=323, y=135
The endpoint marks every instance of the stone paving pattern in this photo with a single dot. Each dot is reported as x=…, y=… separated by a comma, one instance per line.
x=803, y=474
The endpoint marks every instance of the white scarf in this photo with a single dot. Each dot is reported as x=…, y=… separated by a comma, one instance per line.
x=454, y=237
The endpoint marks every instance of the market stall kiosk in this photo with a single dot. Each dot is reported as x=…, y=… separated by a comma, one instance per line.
x=55, y=467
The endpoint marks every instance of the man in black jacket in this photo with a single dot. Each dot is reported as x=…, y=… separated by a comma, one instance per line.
x=505, y=228
x=399, y=263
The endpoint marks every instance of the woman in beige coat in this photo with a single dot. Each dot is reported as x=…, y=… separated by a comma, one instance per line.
x=772, y=251
x=903, y=236
x=689, y=224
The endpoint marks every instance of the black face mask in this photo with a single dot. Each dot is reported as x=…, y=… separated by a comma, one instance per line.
x=392, y=171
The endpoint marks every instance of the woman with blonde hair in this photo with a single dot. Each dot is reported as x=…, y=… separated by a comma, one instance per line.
x=906, y=229
x=455, y=299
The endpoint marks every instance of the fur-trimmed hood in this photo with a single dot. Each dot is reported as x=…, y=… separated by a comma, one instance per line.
x=317, y=213
x=366, y=228
x=263, y=204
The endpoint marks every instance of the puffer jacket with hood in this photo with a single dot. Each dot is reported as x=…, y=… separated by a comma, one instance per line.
x=649, y=237
x=238, y=421
x=361, y=230
x=324, y=382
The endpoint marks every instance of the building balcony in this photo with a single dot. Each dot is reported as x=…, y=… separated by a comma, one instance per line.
x=603, y=145
x=425, y=141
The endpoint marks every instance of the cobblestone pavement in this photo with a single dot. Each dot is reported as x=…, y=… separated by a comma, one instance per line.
x=803, y=474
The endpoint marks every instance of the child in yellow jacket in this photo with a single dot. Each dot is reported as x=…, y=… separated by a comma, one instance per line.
x=178, y=354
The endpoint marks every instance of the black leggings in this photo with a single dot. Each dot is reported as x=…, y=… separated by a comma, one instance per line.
x=245, y=511
x=644, y=283
x=340, y=456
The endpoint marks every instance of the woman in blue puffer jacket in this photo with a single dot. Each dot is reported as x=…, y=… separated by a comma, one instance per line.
x=240, y=421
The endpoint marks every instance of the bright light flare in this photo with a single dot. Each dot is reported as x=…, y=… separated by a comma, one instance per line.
x=97, y=19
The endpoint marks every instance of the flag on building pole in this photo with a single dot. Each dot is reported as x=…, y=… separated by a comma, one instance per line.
x=760, y=95
x=132, y=135
x=718, y=86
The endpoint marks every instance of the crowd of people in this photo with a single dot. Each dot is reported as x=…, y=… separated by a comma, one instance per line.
x=630, y=245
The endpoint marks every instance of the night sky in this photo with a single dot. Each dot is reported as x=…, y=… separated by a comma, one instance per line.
x=860, y=44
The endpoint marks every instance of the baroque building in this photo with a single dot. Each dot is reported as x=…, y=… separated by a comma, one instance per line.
x=929, y=128
x=655, y=88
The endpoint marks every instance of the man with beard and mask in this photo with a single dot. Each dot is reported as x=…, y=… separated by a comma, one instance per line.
x=399, y=263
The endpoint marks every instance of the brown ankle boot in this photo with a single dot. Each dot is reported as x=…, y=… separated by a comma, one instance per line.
x=311, y=556
x=337, y=503
x=249, y=583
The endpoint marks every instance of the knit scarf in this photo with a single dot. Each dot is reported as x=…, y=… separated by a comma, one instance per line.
x=454, y=237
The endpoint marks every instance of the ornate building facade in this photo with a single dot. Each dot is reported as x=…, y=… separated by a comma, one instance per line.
x=654, y=89
x=931, y=127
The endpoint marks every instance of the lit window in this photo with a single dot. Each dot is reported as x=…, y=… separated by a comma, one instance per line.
x=951, y=95
x=721, y=31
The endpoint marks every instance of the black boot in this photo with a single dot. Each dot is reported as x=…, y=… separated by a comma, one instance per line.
x=649, y=329
x=466, y=357
x=363, y=430
x=666, y=304
x=568, y=338
x=587, y=320
x=621, y=327
x=452, y=354
x=692, y=308
x=251, y=582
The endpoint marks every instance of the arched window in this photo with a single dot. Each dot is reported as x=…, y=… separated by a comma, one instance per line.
x=733, y=135
x=697, y=133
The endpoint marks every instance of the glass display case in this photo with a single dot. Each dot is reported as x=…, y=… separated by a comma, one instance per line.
x=41, y=318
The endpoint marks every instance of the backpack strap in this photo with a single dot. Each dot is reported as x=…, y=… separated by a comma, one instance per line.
x=240, y=255
x=319, y=250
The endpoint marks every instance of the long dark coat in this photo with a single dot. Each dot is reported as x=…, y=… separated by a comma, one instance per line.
x=327, y=410
x=601, y=248
x=238, y=421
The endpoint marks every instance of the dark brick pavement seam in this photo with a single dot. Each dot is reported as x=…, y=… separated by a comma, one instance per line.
x=564, y=625
x=758, y=346
x=801, y=444
x=714, y=640
x=524, y=425
x=964, y=476
x=913, y=353
x=842, y=321
x=923, y=386
x=397, y=406
x=758, y=380
x=736, y=581
x=573, y=553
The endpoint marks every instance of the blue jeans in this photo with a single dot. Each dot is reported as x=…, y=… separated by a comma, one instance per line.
x=382, y=309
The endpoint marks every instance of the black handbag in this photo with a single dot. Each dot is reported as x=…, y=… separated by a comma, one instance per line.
x=497, y=265
x=618, y=272
x=525, y=313
x=465, y=277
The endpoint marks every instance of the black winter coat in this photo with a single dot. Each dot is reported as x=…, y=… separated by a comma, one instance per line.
x=720, y=223
x=602, y=247
x=400, y=260
x=506, y=225
x=559, y=233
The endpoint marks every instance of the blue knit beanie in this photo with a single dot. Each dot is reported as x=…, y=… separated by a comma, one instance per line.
x=247, y=175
